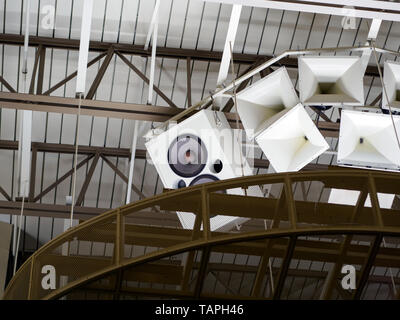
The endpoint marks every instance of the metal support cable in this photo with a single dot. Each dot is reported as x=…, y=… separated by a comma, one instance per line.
x=24, y=71
x=19, y=229
x=237, y=115
x=75, y=160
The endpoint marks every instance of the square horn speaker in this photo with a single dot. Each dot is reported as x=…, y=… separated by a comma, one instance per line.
x=368, y=140
x=391, y=79
x=332, y=80
x=291, y=140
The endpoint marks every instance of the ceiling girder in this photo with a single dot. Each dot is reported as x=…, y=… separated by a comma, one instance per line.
x=162, y=52
x=119, y=110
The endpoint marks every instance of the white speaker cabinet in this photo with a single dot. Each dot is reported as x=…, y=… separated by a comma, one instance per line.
x=331, y=80
x=264, y=99
x=200, y=149
x=391, y=79
x=368, y=140
x=271, y=114
x=291, y=140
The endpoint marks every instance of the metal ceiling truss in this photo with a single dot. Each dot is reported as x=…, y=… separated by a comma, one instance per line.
x=107, y=50
x=120, y=110
x=183, y=265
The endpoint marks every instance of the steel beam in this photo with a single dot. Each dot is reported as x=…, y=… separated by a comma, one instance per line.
x=6, y=84
x=5, y=194
x=42, y=57
x=366, y=269
x=100, y=74
x=377, y=99
x=34, y=71
x=146, y=80
x=284, y=268
x=74, y=74
x=321, y=114
x=115, y=109
x=173, y=53
x=333, y=274
x=61, y=179
x=201, y=275
x=86, y=183
x=122, y=176
x=191, y=255
x=265, y=258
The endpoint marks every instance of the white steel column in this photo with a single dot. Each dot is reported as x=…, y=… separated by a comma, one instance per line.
x=153, y=60
x=132, y=162
x=26, y=39
x=226, y=54
x=24, y=145
x=153, y=22
x=84, y=46
x=25, y=123
x=372, y=35
x=80, y=87
x=230, y=40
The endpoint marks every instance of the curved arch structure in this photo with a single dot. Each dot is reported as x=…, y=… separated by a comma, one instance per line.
x=287, y=240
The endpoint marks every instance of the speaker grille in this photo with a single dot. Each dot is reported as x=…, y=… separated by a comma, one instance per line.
x=187, y=156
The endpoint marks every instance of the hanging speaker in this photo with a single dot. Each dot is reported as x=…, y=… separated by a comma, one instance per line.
x=270, y=112
x=331, y=80
x=368, y=140
x=264, y=99
x=391, y=79
x=291, y=140
x=198, y=150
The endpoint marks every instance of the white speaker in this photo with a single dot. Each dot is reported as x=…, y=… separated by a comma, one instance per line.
x=291, y=140
x=200, y=149
x=264, y=99
x=271, y=114
x=368, y=140
x=331, y=80
x=391, y=79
